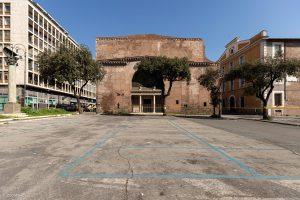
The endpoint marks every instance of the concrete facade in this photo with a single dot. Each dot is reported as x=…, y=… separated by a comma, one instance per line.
x=31, y=30
x=256, y=48
x=120, y=55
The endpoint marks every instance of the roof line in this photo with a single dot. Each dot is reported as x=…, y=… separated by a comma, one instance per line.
x=52, y=19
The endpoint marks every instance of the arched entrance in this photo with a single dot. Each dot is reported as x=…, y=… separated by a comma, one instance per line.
x=145, y=93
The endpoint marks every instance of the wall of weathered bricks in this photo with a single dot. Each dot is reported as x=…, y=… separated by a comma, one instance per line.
x=114, y=91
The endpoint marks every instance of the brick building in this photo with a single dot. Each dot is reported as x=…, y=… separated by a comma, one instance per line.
x=285, y=99
x=122, y=91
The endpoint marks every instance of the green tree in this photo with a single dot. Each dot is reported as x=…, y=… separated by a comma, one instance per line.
x=261, y=76
x=168, y=70
x=212, y=80
x=71, y=65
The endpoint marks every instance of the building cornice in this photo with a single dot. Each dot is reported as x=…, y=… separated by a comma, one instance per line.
x=147, y=37
x=126, y=60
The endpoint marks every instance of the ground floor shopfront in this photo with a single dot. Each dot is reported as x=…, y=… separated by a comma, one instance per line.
x=39, y=98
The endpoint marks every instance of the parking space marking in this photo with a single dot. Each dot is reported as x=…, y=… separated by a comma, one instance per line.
x=66, y=172
x=214, y=148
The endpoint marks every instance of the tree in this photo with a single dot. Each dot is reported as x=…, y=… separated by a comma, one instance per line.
x=70, y=65
x=166, y=69
x=212, y=80
x=261, y=76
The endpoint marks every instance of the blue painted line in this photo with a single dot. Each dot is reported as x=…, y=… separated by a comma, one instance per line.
x=200, y=148
x=179, y=176
x=65, y=172
x=215, y=149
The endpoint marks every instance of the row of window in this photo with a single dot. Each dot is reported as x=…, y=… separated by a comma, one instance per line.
x=240, y=102
x=5, y=8
x=35, y=79
x=42, y=28
x=234, y=103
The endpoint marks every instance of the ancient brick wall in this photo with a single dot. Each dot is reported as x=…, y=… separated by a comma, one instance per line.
x=114, y=91
x=149, y=45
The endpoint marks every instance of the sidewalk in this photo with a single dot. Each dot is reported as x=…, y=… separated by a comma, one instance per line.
x=286, y=120
x=7, y=120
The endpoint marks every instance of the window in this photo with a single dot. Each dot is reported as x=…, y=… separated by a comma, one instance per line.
x=231, y=85
x=278, y=49
x=177, y=102
x=223, y=86
x=1, y=36
x=36, y=17
x=224, y=102
x=231, y=50
x=7, y=22
x=30, y=80
x=242, y=82
x=7, y=36
x=5, y=77
x=41, y=22
x=1, y=8
x=30, y=64
x=1, y=22
x=7, y=8
x=231, y=65
x=204, y=104
x=242, y=60
x=30, y=12
x=278, y=99
x=242, y=103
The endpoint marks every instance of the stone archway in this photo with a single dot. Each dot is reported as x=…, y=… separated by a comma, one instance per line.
x=145, y=93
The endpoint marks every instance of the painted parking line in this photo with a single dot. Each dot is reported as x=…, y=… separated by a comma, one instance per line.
x=221, y=152
x=66, y=171
x=174, y=176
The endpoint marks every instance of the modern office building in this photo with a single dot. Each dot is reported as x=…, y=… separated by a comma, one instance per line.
x=29, y=29
x=285, y=98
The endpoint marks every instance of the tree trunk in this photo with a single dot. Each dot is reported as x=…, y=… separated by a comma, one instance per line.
x=79, y=104
x=163, y=98
x=265, y=111
x=220, y=110
x=214, y=110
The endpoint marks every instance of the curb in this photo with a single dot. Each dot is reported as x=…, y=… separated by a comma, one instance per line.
x=261, y=120
x=6, y=121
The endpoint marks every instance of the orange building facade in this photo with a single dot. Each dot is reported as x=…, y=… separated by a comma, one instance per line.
x=285, y=98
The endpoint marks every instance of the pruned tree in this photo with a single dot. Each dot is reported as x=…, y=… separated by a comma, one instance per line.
x=260, y=77
x=165, y=69
x=72, y=66
x=211, y=80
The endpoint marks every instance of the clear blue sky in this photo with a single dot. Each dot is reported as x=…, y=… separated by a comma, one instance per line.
x=216, y=21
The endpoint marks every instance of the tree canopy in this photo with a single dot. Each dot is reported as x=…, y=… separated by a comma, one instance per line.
x=71, y=66
x=211, y=80
x=165, y=69
x=261, y=76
